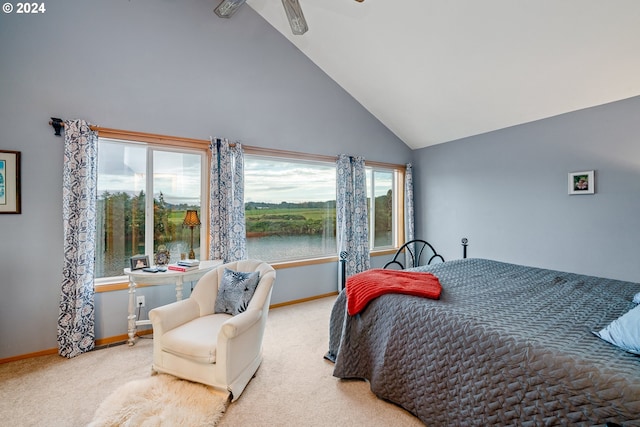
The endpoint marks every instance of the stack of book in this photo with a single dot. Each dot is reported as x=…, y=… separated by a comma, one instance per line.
x=185, y=265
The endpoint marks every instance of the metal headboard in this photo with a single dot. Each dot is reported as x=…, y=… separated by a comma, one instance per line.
x=410, y=247
x=414, y=249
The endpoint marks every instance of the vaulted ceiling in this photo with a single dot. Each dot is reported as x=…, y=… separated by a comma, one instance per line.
x=438, y=70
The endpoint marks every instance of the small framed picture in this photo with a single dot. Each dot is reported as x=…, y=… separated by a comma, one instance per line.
x=582, y=182
x=9, y=182
x=139, y=262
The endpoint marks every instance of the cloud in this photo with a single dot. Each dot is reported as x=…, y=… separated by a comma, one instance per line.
x=275, y=181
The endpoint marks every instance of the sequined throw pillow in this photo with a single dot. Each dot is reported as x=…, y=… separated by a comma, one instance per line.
x=235, y=291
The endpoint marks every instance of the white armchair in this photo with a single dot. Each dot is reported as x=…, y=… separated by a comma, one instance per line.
x=190, y=341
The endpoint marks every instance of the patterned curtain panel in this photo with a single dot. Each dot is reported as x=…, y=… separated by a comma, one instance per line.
x=351, y=213
x=228, y=240
x=79, y=190
x=408, y=204
x=409, y=233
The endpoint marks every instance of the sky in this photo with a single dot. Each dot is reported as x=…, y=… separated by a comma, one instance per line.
x=123, y=168
x=276, y=181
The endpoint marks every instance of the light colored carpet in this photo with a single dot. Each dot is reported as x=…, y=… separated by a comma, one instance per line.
x=55, y=391
x=161, y=400
x=294, y=386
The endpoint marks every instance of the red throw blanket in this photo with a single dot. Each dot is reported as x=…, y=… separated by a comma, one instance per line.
x=363, y=287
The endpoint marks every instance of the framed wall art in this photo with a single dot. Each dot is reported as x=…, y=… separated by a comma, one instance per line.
x=582, y=182
x=10, y=182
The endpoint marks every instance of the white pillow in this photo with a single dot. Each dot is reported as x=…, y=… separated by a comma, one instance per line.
x=624, y=332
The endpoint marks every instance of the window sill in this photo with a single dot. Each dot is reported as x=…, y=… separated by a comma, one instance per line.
x=121, y=283
x=379, y=252
x=111, y=287
x=303, y=262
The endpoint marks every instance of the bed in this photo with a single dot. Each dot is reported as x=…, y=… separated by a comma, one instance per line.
x=503, y=345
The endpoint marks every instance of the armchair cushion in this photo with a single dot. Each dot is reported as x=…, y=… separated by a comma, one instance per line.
x=235, y=292
x=195, y=340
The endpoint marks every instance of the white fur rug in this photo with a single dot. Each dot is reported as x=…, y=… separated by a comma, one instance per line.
x=161, y=400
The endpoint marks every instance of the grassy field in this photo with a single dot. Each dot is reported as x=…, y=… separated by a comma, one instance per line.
x=271, y=213
x=176, y=217
x=289, y=221
x=277, y=220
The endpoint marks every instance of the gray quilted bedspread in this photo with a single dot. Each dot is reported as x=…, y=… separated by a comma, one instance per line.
x=504, y=345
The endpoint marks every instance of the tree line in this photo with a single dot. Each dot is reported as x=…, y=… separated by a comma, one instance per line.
x=124, y=218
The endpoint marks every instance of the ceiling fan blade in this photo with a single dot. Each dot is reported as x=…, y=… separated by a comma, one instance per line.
x=296, y=18
x=227, y=8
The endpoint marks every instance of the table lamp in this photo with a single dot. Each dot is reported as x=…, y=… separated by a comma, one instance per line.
x=191, y=220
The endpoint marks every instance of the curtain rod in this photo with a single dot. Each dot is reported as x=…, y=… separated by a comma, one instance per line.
x=192, y=142
x=58, y=124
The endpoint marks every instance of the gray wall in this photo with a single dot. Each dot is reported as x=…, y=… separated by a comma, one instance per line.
x=164, y=67
x=507, y=192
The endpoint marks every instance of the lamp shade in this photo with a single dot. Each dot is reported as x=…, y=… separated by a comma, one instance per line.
x=191, y=218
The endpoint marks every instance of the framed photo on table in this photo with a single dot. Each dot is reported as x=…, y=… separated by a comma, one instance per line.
x=10, y=182
x=139, y=262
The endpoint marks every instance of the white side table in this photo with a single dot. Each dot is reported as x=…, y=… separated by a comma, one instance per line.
x=139, y=277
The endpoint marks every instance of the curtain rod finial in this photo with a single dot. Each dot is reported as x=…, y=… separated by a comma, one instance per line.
x=57, y=125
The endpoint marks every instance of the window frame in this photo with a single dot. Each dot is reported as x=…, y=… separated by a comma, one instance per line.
x=300, y=159
x=398, y=197
x=153, y=142
x=397, y=189
x=122, y=283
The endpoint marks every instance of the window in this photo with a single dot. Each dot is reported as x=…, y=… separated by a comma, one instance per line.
x=290, y=207
x=130, y=223
x=380, y=185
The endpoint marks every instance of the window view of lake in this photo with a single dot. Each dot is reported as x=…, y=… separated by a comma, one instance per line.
x=282, y=248
x=286, y=231
x=128, y=221
x=290, y=206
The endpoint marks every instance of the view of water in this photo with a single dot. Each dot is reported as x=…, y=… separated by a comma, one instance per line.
x=268, y=248
x=281, y=248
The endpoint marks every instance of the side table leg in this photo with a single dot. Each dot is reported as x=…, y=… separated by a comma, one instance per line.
x=179, y=285
x=131, y=318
